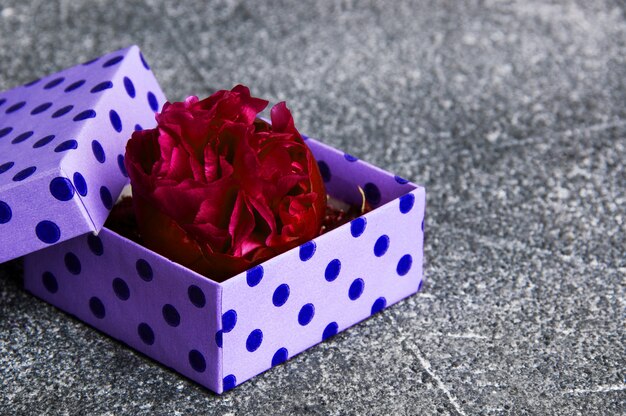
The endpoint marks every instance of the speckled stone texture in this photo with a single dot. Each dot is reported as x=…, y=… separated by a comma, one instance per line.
x=513, y=115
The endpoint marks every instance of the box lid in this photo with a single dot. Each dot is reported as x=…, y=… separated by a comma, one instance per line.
x=62, y=144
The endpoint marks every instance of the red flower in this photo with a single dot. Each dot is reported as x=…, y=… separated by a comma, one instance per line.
x=219, y=190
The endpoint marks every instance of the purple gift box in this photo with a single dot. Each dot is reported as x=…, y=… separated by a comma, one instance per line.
x=62, y=141
x=218, y=334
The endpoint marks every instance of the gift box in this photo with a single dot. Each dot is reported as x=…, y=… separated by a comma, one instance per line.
x=62, y=141
x=222, y=334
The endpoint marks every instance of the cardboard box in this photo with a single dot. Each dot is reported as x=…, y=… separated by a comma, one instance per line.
x=222, y=334
x=218, y=334
x=62, y=141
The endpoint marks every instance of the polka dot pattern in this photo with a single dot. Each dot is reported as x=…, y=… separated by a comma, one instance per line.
x=281, y=294
x=97, y=307
x=307, y=250
x=62, y=189
x=356, y=289
x=50, y=282
x=222, y=334
x=254, y=340
x=330, y=331
x=40, y=108
x=50, y=123
x=48, y=232
x=146, y=333
x=5, y=131
x=5, y=213
x=72, y=263
x=121, y=289
x=171, y=315
x=43, y=141
x=144, y=270
x=305, y=316
x=197, y=361
x=74, y=86
x=280, y=356
x=254, y=275
x=95, y=244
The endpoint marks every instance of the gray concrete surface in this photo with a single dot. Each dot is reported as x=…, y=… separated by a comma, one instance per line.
x=512, y=113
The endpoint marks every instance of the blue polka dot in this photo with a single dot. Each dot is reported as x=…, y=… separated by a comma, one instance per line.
x=5, y=212
x=130, y=88
x=24, y=173
x=381, y=246
x=80, y=184
x=171, y=315
x=406, y=203
x=230, y=381
x=24, y=136
x=254, y=275
x=120, y=288
x=62, y=111
x=379, y=305
x=40, y=108
x=422, y=221
x=419, y=287
x=404, y=265
x=90, y=62
x=95, y=244
x=152, y=100
x=357, y=226
x=196, y=360
x=75, y=85
x=6, y=166
x=106, y=198
x=97, y=307
x=43, y=141
x=53, y=83
x=4, y=100
x=120, y=164
x=330, y=331
x=400, y=180
x=72, y=263
x=98, y=151
x=5, y=131
x=372, y=193
x=356, y=289
x=145, y=333
x=116, y=121
x=138, y=127
x=350, y=158
x=30, y=84
x=307, y=250
x=196, y=296
x=254, y=340
x=280, y=356
x=144, y=270
x=143, y=61
x=281, y=294
x=332, y=270
x=306, y=314
x=324, y=170
x=62, y=189
x=219, y=338
x=84, y=115
x=112, y=61
x=48, y=232
x=102, y=86
x=66, y=145
x=15, y=107
x=50, y=282
x=229, y=320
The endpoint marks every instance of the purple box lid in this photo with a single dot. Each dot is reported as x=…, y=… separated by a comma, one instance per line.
x=62, y=144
